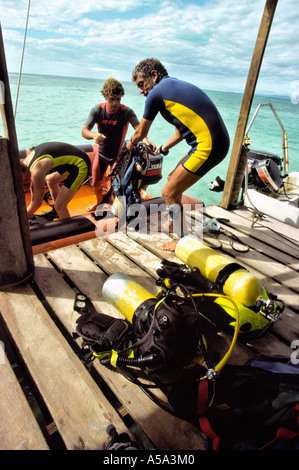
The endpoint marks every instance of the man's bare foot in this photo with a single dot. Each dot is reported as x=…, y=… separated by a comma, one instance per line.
x=170, y=246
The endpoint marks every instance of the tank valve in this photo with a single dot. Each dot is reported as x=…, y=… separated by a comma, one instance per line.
x=268, y=308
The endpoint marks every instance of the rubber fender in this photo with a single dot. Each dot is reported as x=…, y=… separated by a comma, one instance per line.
x=62, y=228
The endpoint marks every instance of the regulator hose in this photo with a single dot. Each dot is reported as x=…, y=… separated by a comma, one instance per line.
x=225, y=358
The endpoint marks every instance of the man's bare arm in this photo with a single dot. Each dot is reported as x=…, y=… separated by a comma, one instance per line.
x=140, y=133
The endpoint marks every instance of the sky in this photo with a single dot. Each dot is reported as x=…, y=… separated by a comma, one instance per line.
x=207, y=42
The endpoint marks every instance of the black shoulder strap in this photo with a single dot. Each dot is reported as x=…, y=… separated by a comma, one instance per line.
x=226, y=272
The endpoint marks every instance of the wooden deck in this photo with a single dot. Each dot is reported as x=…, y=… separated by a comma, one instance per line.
x=49, y=400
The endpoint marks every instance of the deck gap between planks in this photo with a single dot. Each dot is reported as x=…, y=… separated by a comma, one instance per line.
x=99, y=380
x=30, y=390
x=131, y=258
x=54, y=317
x=94, y=260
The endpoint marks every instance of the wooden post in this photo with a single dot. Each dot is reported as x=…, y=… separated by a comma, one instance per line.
x=238, y=159
x=16, y=259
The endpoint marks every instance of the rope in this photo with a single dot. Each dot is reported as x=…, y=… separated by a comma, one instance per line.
x=22, y=58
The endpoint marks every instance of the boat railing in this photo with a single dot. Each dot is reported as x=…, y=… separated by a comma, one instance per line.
x=284, y=134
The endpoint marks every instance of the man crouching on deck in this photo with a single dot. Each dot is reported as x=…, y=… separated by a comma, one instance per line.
x=196, y=120
x=51, y=163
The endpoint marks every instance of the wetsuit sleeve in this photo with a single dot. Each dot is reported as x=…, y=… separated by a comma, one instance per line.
x=92, y=117
x=154, y=103
x=132, y=118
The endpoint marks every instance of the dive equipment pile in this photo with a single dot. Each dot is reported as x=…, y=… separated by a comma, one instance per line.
x=161, y=340
x=162, y=337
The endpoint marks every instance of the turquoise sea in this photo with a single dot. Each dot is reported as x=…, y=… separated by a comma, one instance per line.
x=53, y=108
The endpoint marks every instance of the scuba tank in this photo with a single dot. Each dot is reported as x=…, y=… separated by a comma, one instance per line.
x=257, y=310
x=169, y=326
x=125, y=294
x=165, y=328
x=235, y=280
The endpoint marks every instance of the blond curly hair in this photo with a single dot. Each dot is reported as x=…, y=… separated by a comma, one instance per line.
x=112, y=87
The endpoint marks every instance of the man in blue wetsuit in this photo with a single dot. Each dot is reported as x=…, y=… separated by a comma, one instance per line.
x=196, y=119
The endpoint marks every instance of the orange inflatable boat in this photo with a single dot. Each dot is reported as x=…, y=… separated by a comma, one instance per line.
x=82, y=225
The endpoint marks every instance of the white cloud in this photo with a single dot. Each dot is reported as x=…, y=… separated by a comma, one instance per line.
x=211, y=41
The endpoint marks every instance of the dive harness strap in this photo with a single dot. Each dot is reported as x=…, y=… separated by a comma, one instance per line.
x=203, y=406
x=224, y=274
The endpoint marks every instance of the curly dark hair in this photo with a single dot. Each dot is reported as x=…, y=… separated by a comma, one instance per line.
x=112, y=87
x=146, y=66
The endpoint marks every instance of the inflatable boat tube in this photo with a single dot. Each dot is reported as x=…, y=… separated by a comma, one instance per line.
x=59, y=229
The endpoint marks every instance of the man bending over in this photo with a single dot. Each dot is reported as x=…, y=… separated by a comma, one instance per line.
x=196, y=119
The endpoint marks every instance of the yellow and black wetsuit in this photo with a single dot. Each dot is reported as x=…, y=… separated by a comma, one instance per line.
x=192, y=112
x=68, y=160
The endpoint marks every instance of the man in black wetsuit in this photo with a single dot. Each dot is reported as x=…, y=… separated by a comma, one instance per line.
x=50, y=163
x=112, y=119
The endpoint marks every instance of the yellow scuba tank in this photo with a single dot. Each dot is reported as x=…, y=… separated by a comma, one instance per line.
x=236, y=281
x=257, y=309
x=125, y=294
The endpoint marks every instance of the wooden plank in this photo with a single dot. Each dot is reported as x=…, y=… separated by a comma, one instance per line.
x=257, y=260
x=164, y=430
x=260, y=232
x=281, y=231
x=147, y=243
x=149, y=261
x=18, y=427
x=272, y=252
x=80, y=411
x=112, y=260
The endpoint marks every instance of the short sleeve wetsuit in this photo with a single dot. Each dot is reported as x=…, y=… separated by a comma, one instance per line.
x=67, y=160
x=192, y=112
x=114, y=126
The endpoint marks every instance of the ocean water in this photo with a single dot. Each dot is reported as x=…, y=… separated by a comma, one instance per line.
x=52, y=108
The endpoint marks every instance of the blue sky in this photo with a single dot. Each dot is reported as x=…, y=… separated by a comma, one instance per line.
x=208, y=42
